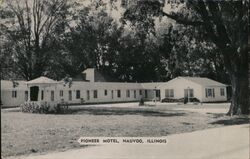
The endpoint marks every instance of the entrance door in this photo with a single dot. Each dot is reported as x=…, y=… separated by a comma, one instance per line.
x=188, y=93
x=34, y=93
x=158, y=94
x=70, y=95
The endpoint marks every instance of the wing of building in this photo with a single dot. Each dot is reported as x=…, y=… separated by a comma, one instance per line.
x=204, y=89
x=95, y=88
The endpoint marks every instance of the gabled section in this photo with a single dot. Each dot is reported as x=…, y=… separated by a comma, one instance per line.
x=42, y=80
x=203, y=81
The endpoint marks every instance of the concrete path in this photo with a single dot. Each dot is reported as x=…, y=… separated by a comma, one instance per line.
x=230, y=142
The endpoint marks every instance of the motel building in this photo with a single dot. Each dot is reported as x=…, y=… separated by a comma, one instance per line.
x=94, y=88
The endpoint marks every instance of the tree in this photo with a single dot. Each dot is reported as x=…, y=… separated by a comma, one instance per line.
x=93, y=41
x=224, y=23
x=35, y=26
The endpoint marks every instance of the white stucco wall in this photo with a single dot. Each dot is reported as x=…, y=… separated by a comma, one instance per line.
x=178, y=85
x=9, y=101
x=90, y=74
x=83, y=87
x=217, y=94
x=6, y=93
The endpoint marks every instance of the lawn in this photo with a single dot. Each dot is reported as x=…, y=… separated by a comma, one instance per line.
x=24, y=133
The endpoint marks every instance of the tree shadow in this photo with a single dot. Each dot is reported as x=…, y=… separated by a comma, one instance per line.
x=186, y=123
x=217, y=115
x=11, y=110
x=232, y=121
x=111, y=111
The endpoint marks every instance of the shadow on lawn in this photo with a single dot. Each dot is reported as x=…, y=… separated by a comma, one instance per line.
x=233, y=121
x=127, y=112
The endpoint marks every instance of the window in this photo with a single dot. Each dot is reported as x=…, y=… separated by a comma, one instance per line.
x=105, y=92
x=78, y=94
x=42, y=95
x=61, y=93
x=128, y=93
x=146, y=93
x=222, y=92
x=70, y=95
x=210, y=92
x=26, y=95
x=169, y=93
x=95, y=94
x=119, y=93
x=134, y=93
x=52, y=96
x=140, y=92
x=88, y=95
x=112, y=94
x=14, y=94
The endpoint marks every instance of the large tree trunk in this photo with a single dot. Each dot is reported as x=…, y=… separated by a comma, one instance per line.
x=240, y=93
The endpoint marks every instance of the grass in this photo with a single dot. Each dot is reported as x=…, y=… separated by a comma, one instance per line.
x=24, y=133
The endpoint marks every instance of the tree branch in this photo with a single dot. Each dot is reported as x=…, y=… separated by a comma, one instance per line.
x=183, y=21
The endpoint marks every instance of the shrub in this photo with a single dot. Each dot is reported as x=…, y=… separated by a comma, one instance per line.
x=141, y=103
x=61, y=108
x=185, y=100
x=33, y=107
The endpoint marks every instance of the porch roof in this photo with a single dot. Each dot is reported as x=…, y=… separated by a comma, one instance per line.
x=152, y=85
x=42, y=80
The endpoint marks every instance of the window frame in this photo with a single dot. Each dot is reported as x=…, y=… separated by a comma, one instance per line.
x=52, y=95
x=118, y=93
x=105, y=92
x=78, y=94
x=128, y=93
x=222, y=92
x=70, y=95
x=14, y=94
x=209, y=93
x=88, y=94
x=61, y=93
x=146, y=93
x=169, y=93
x=95, y=94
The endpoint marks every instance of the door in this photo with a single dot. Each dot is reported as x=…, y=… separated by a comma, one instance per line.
x=52, y=96
x=70, y=95
x=34, y=93
x=188, y=93
x=88, y=95
x=158, y=94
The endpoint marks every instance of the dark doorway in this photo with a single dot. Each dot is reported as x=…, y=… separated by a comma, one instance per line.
x=158, y=94
x=34, y=93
